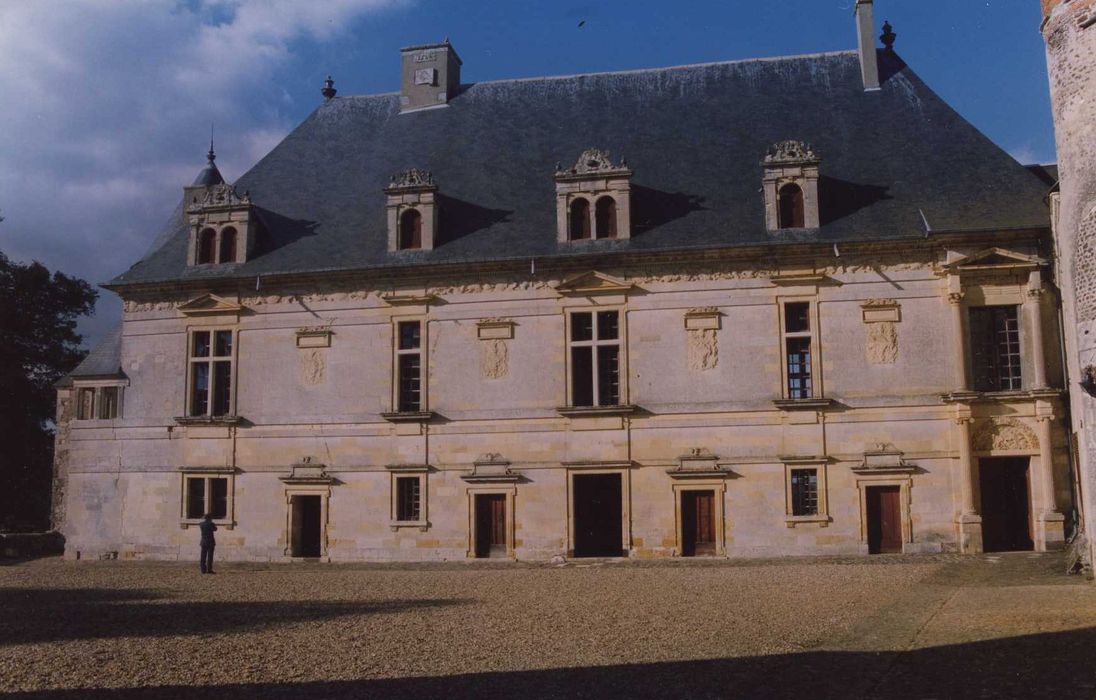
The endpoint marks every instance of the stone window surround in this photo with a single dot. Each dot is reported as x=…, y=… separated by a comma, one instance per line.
x=719, y=487
x=218, y=232
x=190, y=361
x=592, y=177
x=412, y=189
x=817, y=392
x=622, y=338
x=228, y=522
x=408, y=471
x=621, y=200
x=97, y=385
x=819, y=464
x=784, y=169
x=511, y=495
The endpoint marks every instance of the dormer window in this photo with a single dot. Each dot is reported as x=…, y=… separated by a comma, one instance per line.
x=790, y=184
x=207, y=240
x=580, y=219
x=222, y=228
x=412, y=211
x=228, y=245
x=790, y=210
x=410, y=230
x=593, y=198
x=605, y=218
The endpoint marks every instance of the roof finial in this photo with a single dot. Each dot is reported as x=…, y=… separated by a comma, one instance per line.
x=888, y=36
x=328, y=90
x=211, y=156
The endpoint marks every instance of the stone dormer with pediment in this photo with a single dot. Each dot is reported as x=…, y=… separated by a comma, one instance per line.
x=593, y=198
x=790, y=185
x=412, y=211
x=222, y=224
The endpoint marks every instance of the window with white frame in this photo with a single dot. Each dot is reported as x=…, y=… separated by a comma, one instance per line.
x=804, y=487
x=98, y=402
x=409, y=364
x=210, y=359
x=799, y=380
x=204, y=494
x=595, y=358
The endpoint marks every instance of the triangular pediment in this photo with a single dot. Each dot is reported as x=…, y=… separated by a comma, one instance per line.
x=210, y=304
x=996, y=258
x=593, y=282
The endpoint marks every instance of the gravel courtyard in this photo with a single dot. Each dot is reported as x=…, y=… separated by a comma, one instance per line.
x=917, y=627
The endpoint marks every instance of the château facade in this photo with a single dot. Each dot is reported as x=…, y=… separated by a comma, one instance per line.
x=779, y=306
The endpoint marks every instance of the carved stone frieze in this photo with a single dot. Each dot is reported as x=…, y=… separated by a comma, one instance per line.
x=594, y=161
x=222, y=195
x=1004, y=434
x=790, y=152
x=411, y=179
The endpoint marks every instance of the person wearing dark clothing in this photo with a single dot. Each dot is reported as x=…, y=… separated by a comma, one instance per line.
x=207, y=527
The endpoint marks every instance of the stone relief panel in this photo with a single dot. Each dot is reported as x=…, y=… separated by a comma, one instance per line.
x=494, y=359
x=703, y=352
x=882, y=346
x=312, y=366
x=1004, y=434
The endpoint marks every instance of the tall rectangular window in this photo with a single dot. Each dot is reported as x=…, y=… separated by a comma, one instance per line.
x=409, y=366
x=85, y=404
x=995, y=348
x=210, y=360
x=595, y=358
x=206, y=494
x=804, y=491
x=108, y=402
x=797, y=348
x=408, y=498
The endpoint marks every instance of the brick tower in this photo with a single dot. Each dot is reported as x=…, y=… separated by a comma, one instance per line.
x=1069, y=28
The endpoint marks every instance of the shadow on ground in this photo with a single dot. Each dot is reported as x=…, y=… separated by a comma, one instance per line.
x=1033, y=666
x=36, y=615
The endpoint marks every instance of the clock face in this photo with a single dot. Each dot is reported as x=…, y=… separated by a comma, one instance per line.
x=425, y=76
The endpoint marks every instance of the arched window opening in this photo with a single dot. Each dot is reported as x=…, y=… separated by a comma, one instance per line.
x=791, y=206
x=580, y=220
x=228, y=245
x=206, y=240
x=410, y=230
x=605, y=218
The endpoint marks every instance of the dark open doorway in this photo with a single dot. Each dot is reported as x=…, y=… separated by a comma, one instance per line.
x=598, y=513
x=1006, y=506
x=306, y=526
x=884, y=519
x=490, y=525
x=697, y=523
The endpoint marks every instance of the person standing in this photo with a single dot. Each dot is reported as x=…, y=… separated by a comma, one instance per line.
x=207, y=527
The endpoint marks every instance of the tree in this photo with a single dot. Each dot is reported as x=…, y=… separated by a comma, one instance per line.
x=38, y=345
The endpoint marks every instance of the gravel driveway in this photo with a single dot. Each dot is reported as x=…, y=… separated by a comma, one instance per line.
x=1006, y=626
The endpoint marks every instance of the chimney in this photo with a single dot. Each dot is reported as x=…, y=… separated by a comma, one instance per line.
x=429, y=76
x=865, y=34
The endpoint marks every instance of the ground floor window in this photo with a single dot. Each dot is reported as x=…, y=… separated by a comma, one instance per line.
x=805, y=484
x=203, y=493
x=804, y=492
x=408, y=496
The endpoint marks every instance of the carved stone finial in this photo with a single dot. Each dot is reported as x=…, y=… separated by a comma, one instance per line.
x=328, y=90
x=221, y=195
x=412, y=178
x=790, y=152
x=593, y=161
x=888, y=36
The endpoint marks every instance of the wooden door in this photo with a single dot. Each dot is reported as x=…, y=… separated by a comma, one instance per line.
x=598, y=515
x=490, y=525
x=1005, y=504
x=697, y=523
x=884, y=519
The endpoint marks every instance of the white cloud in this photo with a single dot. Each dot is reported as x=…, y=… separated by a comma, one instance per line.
x=106, y=105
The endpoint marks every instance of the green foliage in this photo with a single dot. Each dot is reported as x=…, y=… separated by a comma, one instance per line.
x=38, y=345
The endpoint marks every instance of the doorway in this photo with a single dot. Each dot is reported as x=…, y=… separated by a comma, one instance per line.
x=1006, y=505
x=598, y=512
x=490, y=525
x=305, y=519
x=697, y=523
x=884, y=519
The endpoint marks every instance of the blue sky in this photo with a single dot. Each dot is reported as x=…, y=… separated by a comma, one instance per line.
x=108, y=102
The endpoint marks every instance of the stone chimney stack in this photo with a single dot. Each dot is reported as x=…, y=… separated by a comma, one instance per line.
x=865, y=34
x=429, y=76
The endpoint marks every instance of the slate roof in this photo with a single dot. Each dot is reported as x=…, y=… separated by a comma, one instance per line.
x=694, y=136
x=102, y=362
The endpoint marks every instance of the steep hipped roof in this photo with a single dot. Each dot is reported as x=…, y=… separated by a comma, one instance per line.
x=694, y=135
x=104, y=361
